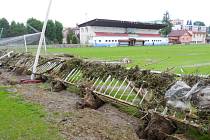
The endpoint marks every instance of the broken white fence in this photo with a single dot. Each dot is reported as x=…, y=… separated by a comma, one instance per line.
x=107, y=88
x=6, y=55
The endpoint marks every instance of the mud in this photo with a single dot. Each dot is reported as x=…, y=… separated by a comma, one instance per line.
x=158, y=128
x=105, y=123
x=57, y=86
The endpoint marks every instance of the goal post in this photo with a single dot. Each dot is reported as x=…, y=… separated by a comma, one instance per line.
x=21, y=43
x=41, y=42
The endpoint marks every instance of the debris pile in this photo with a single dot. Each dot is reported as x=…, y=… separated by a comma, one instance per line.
x=172, y=102
x=158, y=128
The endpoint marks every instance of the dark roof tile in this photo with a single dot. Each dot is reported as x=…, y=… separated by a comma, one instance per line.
x=122, y=24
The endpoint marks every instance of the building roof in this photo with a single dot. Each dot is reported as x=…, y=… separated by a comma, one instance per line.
x=177, y=33
x=122, y=24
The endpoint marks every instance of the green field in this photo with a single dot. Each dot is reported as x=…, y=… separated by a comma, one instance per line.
x=193, y=59
x=23, y=121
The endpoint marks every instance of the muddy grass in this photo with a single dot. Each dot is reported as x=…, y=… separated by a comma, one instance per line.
x=105, y=123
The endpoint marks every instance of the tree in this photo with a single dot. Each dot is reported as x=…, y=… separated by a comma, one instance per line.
x=5, y=25
x=17, y=29
x=166, y=20
x=50, y=31
x=34, y=23
x=59, y=32
x=199, y=23
x=74, y=40
x=71, y=38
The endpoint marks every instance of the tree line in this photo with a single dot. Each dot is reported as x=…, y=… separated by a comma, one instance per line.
x=54, y=30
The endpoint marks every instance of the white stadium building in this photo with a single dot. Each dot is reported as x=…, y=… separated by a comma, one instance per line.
x=103, y=32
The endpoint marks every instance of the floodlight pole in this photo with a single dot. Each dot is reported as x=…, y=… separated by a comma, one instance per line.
x=41, y=42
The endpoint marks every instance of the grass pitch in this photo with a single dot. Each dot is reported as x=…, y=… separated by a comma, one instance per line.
x=185, y=59
x=23, y=121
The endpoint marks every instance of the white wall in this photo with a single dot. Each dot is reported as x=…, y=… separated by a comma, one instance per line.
x=123, y=30
x=113, y=41
x=195, y=28
x=87, y=33
x=199, y=38
x=177, y=27
x=190, y=28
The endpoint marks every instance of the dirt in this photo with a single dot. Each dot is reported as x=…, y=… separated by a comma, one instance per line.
x=105, y=123
x=57, y=86
x=158, y=128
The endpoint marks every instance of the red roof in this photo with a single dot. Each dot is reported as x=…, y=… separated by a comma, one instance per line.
x=177, y=33
x=149, y=35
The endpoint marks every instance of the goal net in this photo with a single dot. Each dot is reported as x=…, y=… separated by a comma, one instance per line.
x=24, y=43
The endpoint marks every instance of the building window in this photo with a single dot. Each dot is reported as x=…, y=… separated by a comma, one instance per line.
x=99, y=41
x=109, y=40
x=112, y=40
x=106, y=41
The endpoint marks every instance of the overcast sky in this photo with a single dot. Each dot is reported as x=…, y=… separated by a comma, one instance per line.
x=71, y=12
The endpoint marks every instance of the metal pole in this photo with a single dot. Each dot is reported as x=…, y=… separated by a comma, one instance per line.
x=35, y=30
x=41, y=41
x=25, y=43
x=45, y=46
